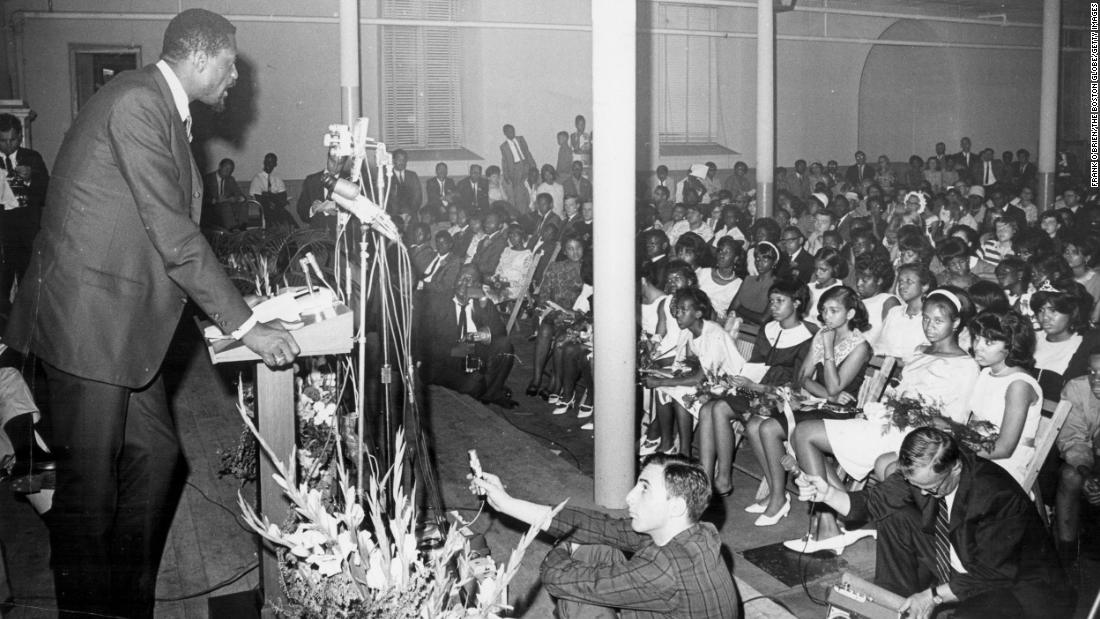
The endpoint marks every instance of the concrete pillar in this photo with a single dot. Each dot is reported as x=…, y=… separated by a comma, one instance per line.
x=765, y=107
x=1048, y=102
x=349, y=61
x=613, y=101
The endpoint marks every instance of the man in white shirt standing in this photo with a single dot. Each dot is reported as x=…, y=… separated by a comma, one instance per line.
x=270, y=191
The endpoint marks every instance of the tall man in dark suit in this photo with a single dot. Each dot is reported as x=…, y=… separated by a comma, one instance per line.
x=406, y=196
x=516, y=160
x=957, y=530
x=27, y=178
x=964, y=158
x=119, y=254
x=464, y=345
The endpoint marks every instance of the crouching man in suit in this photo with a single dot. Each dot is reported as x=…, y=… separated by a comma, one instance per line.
x=464, y=343
x=956, y=530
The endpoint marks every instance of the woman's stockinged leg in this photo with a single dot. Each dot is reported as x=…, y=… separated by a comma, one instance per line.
x=771, y=438
x=752, y=435
x=722, y=415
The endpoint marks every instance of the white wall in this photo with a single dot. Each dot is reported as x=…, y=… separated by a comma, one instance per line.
x=539, y=79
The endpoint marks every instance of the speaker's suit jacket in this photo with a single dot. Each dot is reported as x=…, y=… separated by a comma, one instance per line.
x=120, y=249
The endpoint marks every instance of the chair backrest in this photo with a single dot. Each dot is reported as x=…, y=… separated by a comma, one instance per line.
x=1050, y=424
x=523, y=291
x=877, y=373
x=746, y=339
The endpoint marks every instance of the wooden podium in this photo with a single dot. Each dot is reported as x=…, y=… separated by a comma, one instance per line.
x=329, y=333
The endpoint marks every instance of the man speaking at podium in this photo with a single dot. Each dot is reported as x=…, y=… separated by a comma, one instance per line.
x=118, y=255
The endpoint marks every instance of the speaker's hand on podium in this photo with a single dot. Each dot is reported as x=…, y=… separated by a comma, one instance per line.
x=274, y=344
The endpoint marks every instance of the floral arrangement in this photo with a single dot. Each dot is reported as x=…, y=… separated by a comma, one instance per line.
x=712, y=386
x=339, y=560
x=904, y=411
x=241, y=462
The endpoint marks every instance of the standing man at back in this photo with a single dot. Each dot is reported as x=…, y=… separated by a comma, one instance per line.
x=118, y=255
x=27, y=178
x=515, y=162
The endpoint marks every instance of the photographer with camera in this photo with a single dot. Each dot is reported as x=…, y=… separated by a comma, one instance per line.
x=675, y=567
x=464, y=344
x=24, y=178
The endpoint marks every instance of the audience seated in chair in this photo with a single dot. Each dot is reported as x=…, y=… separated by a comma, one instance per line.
x=463, y=342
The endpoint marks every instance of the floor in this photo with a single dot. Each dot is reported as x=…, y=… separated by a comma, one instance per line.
x=542, y=457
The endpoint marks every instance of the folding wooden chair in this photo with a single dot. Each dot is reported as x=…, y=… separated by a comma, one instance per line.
x=1050, y=424
x=524, y=291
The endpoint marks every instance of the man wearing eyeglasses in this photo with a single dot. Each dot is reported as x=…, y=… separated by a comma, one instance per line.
x=802, y=263
x=955, y=530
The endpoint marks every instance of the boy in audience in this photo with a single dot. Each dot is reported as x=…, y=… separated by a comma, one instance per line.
x=824, y=220
x=565, y=155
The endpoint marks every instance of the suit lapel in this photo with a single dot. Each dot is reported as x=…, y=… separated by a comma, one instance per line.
x=190, y=176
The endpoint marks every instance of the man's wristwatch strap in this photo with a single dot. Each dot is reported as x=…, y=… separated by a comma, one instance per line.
x=936, y=599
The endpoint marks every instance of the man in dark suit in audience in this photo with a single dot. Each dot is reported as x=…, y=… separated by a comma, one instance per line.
x=406, y=195
x=791, y=242
x=955, y=531
x=543, y=216
x=964, y=158
x=941, y=155
x=119, y=255
x=1025, y=171
x=577, y=185
x=314, y=208
x=418, y=238
x=437, y=190
x=224, y=204
x=798, y=181
x=442, y=272
x=988, y=171
x=492, y=246
x=462, y=233
x=464, y=345
x=27, y=178
x=474, y=189
x=858, y=172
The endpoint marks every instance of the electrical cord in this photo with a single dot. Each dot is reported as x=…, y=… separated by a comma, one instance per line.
x=576, y=460
x=241, y=573
x=236, y=517
x=801, y=565
x=773, y=599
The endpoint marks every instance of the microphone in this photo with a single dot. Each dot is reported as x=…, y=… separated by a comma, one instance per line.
x=790, y=465
x=347, y=195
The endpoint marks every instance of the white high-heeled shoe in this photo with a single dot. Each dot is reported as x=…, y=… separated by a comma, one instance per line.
x=767, y=521
x=756, y=508
x=835, y=544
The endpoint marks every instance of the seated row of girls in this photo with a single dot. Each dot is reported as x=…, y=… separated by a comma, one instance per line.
x=942, y=372
x=1004, y=393
x=704, y=350
x=660, y=281
x=832, y=372
x=781, y=346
